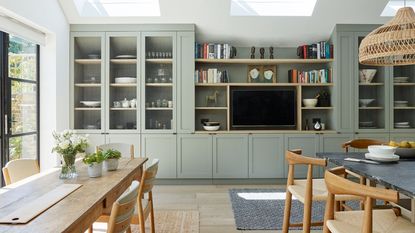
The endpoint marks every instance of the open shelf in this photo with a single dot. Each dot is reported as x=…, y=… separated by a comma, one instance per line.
x=159, y=84
x=404, y=84
x=264, y=61
x=371, y=108
x=371, y=84
x=88, y=61
x=123, y=84
x=160, y=60
x=124, y=61
x=159, y=109
x=87, y=109
x=88, y=85
x=404, y=108
x=211, y=108
x=123, y=109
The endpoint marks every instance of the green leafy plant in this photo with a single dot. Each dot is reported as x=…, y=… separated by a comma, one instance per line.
x=112, y=154
x=97, y=157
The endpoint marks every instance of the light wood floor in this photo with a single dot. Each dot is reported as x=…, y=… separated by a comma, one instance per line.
x=212, y=202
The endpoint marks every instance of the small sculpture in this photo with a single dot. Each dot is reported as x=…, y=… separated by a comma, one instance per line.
x=212, y=98
x=271, y=52
x=252, y=52
x=262, y=52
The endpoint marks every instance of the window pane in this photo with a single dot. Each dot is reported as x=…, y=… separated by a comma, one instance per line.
x=22, y=59
x=23, y=106
x=23, y=147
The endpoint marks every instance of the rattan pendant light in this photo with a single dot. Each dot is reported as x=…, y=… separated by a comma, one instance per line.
x=392, y=43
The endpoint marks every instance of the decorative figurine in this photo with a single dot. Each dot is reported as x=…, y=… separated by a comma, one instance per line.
x=271, y=52
x=252, y=52
x=317, y=124
x=212, y=98
x=262, y=52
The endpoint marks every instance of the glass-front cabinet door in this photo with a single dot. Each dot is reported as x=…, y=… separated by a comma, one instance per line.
x=403, y=98
x=159, y=82
x=122, y=79
x=87, y=75
x=372, y=95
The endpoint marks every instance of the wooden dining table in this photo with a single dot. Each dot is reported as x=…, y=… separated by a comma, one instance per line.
x=399, y=176
x=78, y=210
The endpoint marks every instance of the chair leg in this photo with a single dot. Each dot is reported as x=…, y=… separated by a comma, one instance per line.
x=152, y=225
x=128, y=229
x=142, y=223
x=287, y=212
x=307, y=215
x=90, y=229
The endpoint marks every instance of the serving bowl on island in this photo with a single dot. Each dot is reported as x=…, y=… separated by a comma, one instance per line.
x=382, y=150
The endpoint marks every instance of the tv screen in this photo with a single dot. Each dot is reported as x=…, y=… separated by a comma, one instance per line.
x=263, y=108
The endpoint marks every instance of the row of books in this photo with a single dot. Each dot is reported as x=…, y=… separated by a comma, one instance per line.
x=320, y=50
x=312, y=76
x=214, y=51
x=211, y=76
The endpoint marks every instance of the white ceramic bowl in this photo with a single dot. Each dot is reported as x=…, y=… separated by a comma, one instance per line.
x=211, y=128
x=365, y=102
x=125, y=80
x=381, y=150
x=367, y=75
x=91, y=103
x=310, y=103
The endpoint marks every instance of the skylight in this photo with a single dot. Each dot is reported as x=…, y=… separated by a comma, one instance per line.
x=272, y=7
x=117, y=8
x=393, y=6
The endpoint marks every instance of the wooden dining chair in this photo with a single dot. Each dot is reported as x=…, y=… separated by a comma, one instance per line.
x=306, y=191
x=125, y=149
x=361, y=143
x=19, y=169
x=363, y=221
x=123, y=209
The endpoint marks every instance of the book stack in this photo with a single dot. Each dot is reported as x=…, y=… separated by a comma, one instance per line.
x=211, y=76
x=313, y=76
x=320, y=50
x=214, y=51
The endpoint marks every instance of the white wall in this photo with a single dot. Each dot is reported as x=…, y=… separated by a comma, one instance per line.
x=54, y=68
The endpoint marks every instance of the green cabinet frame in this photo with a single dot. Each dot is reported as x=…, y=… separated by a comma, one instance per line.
x=195, y=154
x=162, y=147
x=266, y=156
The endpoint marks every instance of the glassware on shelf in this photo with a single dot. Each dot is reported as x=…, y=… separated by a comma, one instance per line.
x=156, y=80
x=163, y=79
x=164, y=103
x=158, y=103
x=149, y=80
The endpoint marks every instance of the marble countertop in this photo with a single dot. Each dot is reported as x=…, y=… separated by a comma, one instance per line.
x=399, y=176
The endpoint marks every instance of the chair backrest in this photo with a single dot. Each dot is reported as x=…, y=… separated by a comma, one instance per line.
x=361, y=143
x=148, y=177
x=125, y=149
x=338, y=185
x=19, y=169
x=294, y=157
x=123, y=210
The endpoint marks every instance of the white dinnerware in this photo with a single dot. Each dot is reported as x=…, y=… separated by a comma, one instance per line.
x=310, y=103
x=366, y=75
x=91, y=103
x=125, y=80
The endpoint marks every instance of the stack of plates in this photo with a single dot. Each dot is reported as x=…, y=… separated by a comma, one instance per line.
x=125, y=57
x=375, y=157
x=400, y=79
x=367, y=124
x=125, y=80
x=402, y=125
x=400, y=103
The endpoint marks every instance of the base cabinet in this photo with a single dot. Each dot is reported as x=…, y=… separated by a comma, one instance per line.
x=333, y=142
x=310, y=146
x=230, y=156
x=162, y=147
x=266, y=156
x=194, y=156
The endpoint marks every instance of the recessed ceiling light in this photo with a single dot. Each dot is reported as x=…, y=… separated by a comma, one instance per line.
x=117, y=8
x=272, y=7
x=393, y=6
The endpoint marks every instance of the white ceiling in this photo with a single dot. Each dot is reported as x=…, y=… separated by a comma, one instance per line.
x=214, y=23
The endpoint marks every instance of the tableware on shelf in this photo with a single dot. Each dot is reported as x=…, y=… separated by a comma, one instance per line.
x=153, y=104
x=158, y=103
x=90, y=80
x=125, y=80
x=125, y=103
x=310, y=103
x=402, y=126
x=366, y=124
x=402, y=123
x=211, y=123
x=125, y=56
x=155, y=80
x=170, y=104
x=170, y=79
x=391, y=158
x=133, y=103
x=117, y=104
x=366, y=75
x=405, y=152
x=400, y=79
x=211, y=128
x=381, y=150
x=360, y=161
x=164, y=103
x=365, y=102
x=91, y=103
x=90, y=127
x=94, y=56
x=400, y=103
x=119, y=127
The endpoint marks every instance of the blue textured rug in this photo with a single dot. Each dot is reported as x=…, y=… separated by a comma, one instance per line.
x=263, y=209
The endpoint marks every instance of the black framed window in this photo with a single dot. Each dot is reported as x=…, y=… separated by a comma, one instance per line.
x=19, y=98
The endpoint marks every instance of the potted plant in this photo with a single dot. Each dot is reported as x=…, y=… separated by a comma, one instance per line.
x=111, y=159
x=94, y=162
x=68, y=145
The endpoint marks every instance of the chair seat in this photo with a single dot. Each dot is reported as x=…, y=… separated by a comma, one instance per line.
x=384, y=221
x=319, y=191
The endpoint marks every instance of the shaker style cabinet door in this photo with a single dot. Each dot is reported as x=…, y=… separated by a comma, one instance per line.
x=310, y=145
x=185, y=82
x=194, y=156
x=230, y=156
x=162, y=147
x=333, y=142
x=266, y=156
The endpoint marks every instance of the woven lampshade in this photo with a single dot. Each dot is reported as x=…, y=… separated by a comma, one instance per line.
x=392, y=43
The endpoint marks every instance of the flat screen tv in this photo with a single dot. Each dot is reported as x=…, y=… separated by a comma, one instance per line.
x=263, y=108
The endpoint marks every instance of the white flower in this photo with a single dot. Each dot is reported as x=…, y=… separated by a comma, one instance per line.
x=64, y=145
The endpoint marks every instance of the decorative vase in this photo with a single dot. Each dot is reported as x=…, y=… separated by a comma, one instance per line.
x=95, y=170
x=68, y=170
x=111, y=164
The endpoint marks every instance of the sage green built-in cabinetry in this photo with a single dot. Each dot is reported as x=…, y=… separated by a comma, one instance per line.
x=230, y=156
x=309, y=144
x=162, y=147
x=266, y=156
x=195, y=156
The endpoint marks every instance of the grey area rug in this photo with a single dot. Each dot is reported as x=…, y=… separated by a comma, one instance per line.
x=263, y=209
